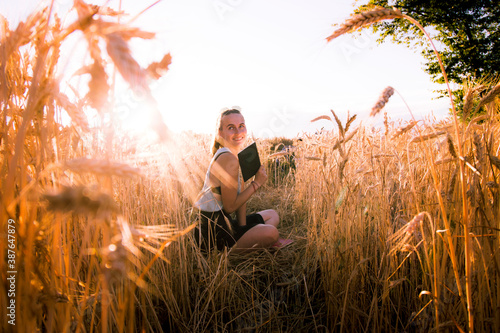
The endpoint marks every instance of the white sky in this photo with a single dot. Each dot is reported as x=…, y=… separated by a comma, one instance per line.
x=268, y=57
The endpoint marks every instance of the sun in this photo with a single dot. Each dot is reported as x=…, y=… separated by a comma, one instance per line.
x=138, y=115
x=132, y=116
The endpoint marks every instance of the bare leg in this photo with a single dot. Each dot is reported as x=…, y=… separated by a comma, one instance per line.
x=259, y=237
x=270, y=217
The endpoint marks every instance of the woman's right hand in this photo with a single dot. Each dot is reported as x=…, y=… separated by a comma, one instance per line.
x=261, y=176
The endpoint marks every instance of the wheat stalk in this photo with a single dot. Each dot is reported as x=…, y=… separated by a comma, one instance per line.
x=443, y=161
x=102, y=167
x=480, y=154
x=98, y=86
x=130, y=70
x=124, y=31
x=280, y=153
x=470, y=166
x=25, y=32
x=405, y=129
x=495, y=161
x=489, y=97
x=424, y=137
x=313, y=158
x=365, y=18
x=73, y=111
x=386, y=123
x=339, y=125
x=383, y=99
x=80, y=199
x=451, y=146
x=383, y=155
x=157, y=69
x=383, y=14
x=469, y=100
x=344, y=140
x=453, y=180
x=349, y=121
x=325, y=117
x=492, y=184
x=137, y=77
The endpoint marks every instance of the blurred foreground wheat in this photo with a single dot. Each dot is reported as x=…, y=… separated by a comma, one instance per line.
x=102, y=222
x=74, y=253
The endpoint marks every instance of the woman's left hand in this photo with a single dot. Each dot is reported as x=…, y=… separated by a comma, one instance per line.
x=261, y=176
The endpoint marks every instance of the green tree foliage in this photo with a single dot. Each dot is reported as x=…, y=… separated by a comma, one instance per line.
x=467, y=31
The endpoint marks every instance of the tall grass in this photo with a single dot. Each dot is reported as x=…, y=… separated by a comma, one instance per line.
x=104, y=221
x=74, y=248
x=383, y=268
x=378, y=14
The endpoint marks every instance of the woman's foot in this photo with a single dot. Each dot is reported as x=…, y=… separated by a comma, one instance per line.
x=281, y=243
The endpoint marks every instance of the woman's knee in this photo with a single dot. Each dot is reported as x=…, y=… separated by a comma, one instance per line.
x=274, y=215
x=260, y=236
x=271, y=235
x=270, y=216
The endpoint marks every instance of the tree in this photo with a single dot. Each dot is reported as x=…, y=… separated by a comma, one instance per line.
x=468, y=31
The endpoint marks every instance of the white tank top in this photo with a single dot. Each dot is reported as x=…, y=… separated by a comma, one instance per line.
x=209, y=199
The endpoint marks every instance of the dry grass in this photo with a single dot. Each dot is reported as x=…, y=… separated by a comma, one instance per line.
x=103, y=238
x=362, y=236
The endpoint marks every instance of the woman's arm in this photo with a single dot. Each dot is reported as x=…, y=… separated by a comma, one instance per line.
x=226, y=169
x=241, y=214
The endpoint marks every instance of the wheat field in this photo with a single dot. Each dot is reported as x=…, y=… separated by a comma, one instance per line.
x=396, y=229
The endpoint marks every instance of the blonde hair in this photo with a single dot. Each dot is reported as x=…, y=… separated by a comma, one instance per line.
x=218, y=126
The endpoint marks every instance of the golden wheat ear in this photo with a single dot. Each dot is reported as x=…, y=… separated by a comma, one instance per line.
x=102, y=167
x=365, y=18
x=80, y=199
x=489, y=97
x=382, y=101
x=404, y=129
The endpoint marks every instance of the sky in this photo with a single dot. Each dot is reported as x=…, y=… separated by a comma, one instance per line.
x=270, y=58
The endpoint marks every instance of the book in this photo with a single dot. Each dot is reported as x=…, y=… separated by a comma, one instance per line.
x=249, y=161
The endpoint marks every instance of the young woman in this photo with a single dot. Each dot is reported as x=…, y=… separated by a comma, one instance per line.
x=222, y=195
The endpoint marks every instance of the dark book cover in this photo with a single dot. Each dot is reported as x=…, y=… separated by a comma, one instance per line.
x=249, y=161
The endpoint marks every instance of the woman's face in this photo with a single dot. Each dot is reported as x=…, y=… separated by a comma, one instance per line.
x=233, y=131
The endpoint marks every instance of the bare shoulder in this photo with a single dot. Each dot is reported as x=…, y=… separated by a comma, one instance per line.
x=227, y=161
x=226, y=169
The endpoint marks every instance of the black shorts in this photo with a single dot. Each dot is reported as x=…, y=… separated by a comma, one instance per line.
x=218, y=229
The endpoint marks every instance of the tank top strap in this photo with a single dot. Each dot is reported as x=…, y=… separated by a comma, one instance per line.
x=219, y=152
